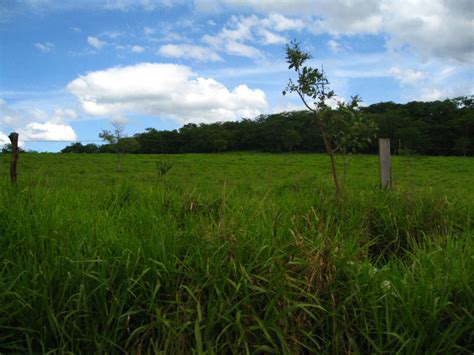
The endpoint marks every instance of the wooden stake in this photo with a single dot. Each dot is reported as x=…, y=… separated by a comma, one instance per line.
x=385, y=170
x=14, y=141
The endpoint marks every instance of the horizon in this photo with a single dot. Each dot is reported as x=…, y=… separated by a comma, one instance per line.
x=69, y=68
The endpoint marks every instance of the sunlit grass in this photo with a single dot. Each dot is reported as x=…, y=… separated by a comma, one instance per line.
x=236, y=253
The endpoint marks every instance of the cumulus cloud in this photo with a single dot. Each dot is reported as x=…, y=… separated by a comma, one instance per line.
x=167, y=90
x=435, y=91
x=281, y=23
x=188, y=51
x=334, y=46
x=48, y=131
x=433, y=94
x=240, y=49
x=439, y=28
x=289, y=107
x=269, y=37
x=148, y=31
x=137, y=49
x=3, y=139
x=95, y=42
x=8, y=116
x=407, y=76
x=236, y=36
x=36, y=124
x=147, y=5
x=232, y=37
x=45, y=47
x=63, y=115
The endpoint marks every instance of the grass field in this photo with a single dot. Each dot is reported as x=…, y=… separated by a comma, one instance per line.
x=236, y=253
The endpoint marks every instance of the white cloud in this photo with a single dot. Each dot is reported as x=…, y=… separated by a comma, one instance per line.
x=438, y=91
x=111, y=34
x=147, y=5
x=3, y=139
x=232, y=37
x=95, y=42
x=433, y=94
x=334, y=46
x=240, y=49
x=439, y=28
x=198, y=53
x=8, y=116
x=166, y=90
x=240, y=33
x=269, y=37
x=48, y=131
x=137, y=49
x=408, y=76
x=281, y=23
x=36, y=124
x=45, y=47
x=432, y=28
x=280, y=6
x=289, y=107
x=148, y=31
x=61, y=115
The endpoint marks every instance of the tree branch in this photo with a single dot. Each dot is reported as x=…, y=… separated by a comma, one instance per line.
x=304, y=101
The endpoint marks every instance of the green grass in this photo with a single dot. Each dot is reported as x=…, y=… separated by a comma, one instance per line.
x=236, y=253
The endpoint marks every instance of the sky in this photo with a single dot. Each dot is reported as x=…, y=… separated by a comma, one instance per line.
x=68, y=68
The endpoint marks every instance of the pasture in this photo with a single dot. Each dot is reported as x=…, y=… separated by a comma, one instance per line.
x=236, y=253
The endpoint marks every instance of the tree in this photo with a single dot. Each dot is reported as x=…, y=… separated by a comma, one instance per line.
x=7, y=148
x=352, y=131
x=461, y=145
x=118, y=142
x=335, y=126
x=113, y=137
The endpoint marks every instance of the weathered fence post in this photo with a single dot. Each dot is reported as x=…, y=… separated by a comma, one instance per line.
x=14, y=141
x=385, y=170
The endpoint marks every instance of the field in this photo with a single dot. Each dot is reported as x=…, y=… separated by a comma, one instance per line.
x=236, y=253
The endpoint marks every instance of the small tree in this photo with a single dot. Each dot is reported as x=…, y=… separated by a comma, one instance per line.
x=352, y=132
x=7, y=148
x=342, y=129
x=461, y=145
x=119, y=143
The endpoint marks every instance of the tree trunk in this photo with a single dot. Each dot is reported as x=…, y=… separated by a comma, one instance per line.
x=327, y=145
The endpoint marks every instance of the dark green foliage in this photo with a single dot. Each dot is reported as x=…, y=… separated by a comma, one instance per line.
x=7, y=148
x=79, y=148
x=163, y=167
x=427, y=128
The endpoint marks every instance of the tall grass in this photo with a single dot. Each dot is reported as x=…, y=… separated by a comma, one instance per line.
x=233, y=253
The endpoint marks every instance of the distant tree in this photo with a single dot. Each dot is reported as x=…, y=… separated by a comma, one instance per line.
x=77, y=147
x=90, y=148
x=352, y=131
x=7, y=148
x=127, y=145
x=112, y=137
x=118, y=143
x=461, y=146
x=335, y=126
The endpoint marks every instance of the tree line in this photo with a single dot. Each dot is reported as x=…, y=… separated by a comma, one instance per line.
x=427, y=128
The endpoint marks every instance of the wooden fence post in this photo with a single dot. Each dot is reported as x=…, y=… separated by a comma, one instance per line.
x=384, y=156
x=14, y=141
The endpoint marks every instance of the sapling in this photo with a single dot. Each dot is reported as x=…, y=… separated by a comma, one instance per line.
x=341, y=129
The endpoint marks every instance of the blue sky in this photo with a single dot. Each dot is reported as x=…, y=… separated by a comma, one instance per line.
x=68, y=68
